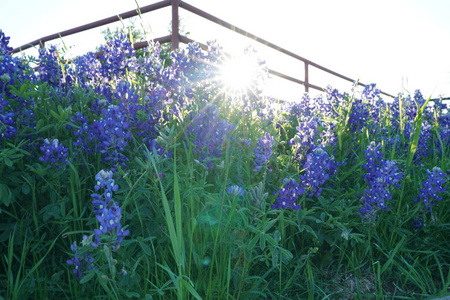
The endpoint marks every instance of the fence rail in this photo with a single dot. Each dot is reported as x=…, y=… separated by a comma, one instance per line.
x=175, y=38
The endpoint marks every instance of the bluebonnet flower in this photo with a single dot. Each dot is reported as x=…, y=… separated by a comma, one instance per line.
x=410, y=108
x=263, y=151
x=305, y=139
x=7, y=121
x=235, y=190
x=118, y=58
x=80, y=262
x=417, y=223
x=55, y=153
x=110, y=136
x=13, y=109
x=371, y=92
x=432, y=188
x=143, y=116
x=288, y=194
x=424, y=148
x=87, y=70
x=108, y=212
x=103, y=179
x=154, y=145
x=372, y=95
x=318, y=168
x=12, y=68
x=381, y=176
x=359, y=115
x=49, y=69
x=208, y=133
x=4, y=42
x=80, y=132
x=443, y=131
x=328, y=136
x=301, y=109
x=151, y=64
x=335, y=99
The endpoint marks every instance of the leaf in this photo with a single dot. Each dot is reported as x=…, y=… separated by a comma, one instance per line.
x=54, y=114
x=145, y=248
x=252, y=243
x=8, y=162
x=5, y=195
x=39, y=124
x=25, y=189
x=286, y=255
x=262, y=241
x=272, y=240
x=309, y=229
x=87, y=277
x=132, y=295
x=190, y=288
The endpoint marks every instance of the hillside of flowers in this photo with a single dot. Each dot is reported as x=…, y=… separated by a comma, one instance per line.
x=127, y=176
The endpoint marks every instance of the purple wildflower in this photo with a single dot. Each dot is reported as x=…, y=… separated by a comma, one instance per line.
x=288, y=194
x=305, y=139
x=110, y=134
x=318, y=168
x=118, y=57
x=80, y=262
x=208, y=133
x=7, y=122
x=55, y=153
x=235, y=190
x=87, y=70
x=263, y=151
x=108, y=212
x=381, y=176
x=417, y=223
x=4, y=42
x=432, y=188
x=49, y=68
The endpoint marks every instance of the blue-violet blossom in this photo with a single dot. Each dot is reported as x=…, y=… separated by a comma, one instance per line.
x=381, y=176
x=288, y=194
x=54, y=153
x=263, y=151
x=432, y=188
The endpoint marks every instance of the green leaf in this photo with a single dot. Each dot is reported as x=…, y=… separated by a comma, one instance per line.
x=8, y=162
x=271, y=240
x=262, y=241
x=39, y=124
x=132, y=295
x=25, y=189
x=190, y=289
x=252, y=243
x=87, y=277
x=5, y=195
x=145, y=248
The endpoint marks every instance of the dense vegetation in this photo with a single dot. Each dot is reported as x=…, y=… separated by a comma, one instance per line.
x=125, y=177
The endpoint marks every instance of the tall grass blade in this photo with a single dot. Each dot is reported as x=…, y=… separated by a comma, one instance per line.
x=416, y=134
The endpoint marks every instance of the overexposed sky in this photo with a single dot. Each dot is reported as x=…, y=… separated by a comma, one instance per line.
x=398, y=44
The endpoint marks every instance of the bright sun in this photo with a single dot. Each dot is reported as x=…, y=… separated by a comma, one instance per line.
x=238, y=75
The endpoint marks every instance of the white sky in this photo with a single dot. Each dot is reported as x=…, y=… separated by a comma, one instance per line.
x=398, y=44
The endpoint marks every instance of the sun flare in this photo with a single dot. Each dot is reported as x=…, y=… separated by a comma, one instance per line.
x=238, y=75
